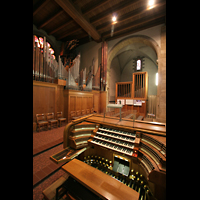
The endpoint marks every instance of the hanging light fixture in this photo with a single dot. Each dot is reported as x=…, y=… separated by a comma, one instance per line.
x=114, y=21
x=151, y=4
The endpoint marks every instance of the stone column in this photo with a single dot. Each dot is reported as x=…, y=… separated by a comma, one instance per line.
x=161, y=90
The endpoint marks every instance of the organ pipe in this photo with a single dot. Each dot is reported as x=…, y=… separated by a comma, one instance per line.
x=47, y=68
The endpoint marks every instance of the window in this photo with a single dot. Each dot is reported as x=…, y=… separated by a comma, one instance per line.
x=157, y=78
x=139, y=63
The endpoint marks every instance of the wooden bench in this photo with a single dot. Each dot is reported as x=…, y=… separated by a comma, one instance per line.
x=78, y=113
x=140, y=117
x=72, y=115
x=87, y=111
x=60, y=118
x=51, y=120
x=41, y=121
x=117, y=114
x=50, y=192
x=129, y=116
x=83, y=113
x=148, y=119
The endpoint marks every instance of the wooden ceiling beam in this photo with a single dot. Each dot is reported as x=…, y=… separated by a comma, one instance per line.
x=138, y=28
x=88, y=8
x=62, y=26
x=117, y=8
x=74, y=30
x=51, y=19
x=138, y=22
x=39, y=7
x=84, y=11
x=79, y=37
x=70, y=9
x=130, y=15
x=122, y=18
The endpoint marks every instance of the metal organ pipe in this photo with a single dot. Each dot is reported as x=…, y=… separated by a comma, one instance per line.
x=44, y=65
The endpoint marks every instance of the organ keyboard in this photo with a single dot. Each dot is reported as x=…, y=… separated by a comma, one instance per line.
x=116, y=140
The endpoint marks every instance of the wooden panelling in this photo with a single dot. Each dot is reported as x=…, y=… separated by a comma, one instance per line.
x=89, y=102
x=78, y=100
x=47, y=97
x=78, y=103
x=72, y=103
x=44, y=98
x=66, y=102
x=84, y=103
x=60, y=99
x=96, y=96
x=50, y=97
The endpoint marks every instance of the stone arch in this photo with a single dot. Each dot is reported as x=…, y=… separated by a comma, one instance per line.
x=131, y=40
x=124, y=42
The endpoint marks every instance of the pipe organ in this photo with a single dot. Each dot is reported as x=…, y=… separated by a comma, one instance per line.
x=62, y=72
x=76, y=67
x=73, y=74
x=140, y=85
x=130, y=152
x=95, y=80
x=135, y=91
x=104, y=64
x=46, y=68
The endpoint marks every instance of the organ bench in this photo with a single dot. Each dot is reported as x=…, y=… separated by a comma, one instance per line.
x=126, y=151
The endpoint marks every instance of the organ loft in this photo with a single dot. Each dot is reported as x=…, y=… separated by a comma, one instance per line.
x=99, y=100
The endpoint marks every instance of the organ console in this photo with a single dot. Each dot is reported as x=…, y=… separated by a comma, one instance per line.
x=130, y=152
x=80, y=134
x=116, y=140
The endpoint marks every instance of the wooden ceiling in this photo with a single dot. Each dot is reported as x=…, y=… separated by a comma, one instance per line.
x=88, y=20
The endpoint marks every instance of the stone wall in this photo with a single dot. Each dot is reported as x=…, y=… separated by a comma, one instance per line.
x=161, y=90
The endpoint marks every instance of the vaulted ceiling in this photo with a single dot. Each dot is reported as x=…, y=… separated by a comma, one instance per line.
x=88, y=20
x=132, y=52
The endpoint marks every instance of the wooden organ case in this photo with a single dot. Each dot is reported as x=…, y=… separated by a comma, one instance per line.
x=130, y=152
